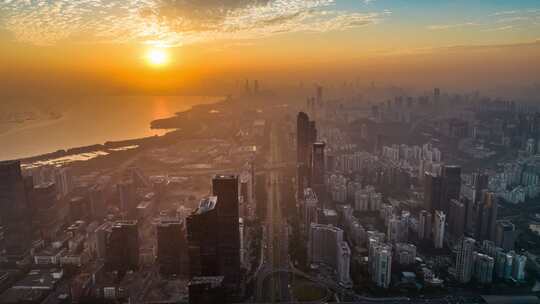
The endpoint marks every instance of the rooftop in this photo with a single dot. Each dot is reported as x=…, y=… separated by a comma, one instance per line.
x=206, y=204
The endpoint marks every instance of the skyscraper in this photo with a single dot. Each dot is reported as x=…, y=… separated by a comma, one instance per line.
x=483, y=268
x=15, y=214
x=318, y=170
x=451, y=186
x=465, y=260
x=382, y=265
x=505, y=235
x=432, y=191
x=424, y=225
x=202, y=234
x=122, y=252
x=302, y=152
x=438, y=229
x=487, y=217
x=171, y=247
x=225, y=187
x=480, y=183
x=456, y=218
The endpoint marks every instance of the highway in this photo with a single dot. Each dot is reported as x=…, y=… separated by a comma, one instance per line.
x=273, y=281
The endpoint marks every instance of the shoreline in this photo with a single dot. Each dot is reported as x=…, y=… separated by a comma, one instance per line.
x=140, y=141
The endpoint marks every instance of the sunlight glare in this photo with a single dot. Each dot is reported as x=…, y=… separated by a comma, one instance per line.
x=157, y=57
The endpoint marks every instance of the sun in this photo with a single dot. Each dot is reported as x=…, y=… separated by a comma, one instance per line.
x=157, y=57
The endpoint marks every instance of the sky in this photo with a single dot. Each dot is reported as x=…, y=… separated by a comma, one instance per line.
x=50, y=47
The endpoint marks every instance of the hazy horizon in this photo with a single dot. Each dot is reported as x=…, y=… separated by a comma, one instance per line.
x=100, y=47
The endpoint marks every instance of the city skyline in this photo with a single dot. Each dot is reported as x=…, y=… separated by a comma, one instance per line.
x=107, y=47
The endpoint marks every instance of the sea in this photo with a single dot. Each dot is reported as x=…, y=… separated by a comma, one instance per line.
x=34, y=127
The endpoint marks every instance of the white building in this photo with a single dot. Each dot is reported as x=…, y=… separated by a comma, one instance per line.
x=465, y=260
x=438, y=229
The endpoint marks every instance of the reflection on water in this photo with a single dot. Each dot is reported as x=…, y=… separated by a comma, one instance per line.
x=95, y=120
x=60, y=161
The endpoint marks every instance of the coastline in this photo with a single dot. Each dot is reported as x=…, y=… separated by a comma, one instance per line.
x=141, y=142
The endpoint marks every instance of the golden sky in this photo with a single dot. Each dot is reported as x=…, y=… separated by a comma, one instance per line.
x=101, y=46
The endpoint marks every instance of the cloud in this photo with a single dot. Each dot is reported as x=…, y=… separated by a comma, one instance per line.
x=451, y=26
x=172, y=22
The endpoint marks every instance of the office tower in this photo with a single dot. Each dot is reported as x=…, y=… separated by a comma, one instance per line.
x=15, y=215
x=465, y=260
x=310, y=206
x=470, y=216
x=438, y=229
x=44, y=205
x=323, y=244
x=225, y=187
x=382, y=265
x=405, y=253
x=206, y=290
x=302, y=151
x=432, y=191
x=122, y=253
x=480, y=182
x=483, y=268
x=127, y=198
x=451, y=186
x=318, y=171
x=487, y=217
x=171, y=247
x=505, y=235
x=500, y=264
x=518, y=271
x=79, y=208
x=436, y=95
x=424, y=225
x=456, y=218
x=344, y=263
x=202, y=237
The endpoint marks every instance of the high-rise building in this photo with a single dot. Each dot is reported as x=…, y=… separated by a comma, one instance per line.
x=310, y=206
x=343, y=263
x=122, y=247
x=518, y=271
x=171, y=247
x=480, y=183
x=456, y=218
x=45, y=210
x=225, y=187
x=202, y=234
x=323, y=244
x=424, y=225
x=318, y=170
x=487, y=217
x=302, y=151
x=451, y=186
x=127, y=198
x=15, y=215
x=465, y=260
x=382, y=265
x=432, y=191
x=509, y=265
x=505, y=235
x=405, y=253
x=438, y=229
x=483, y=269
